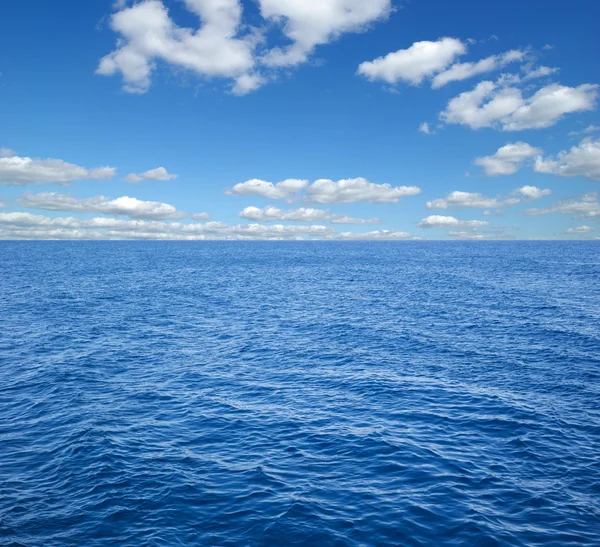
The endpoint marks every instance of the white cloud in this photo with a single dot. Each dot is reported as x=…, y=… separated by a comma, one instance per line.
x=438, y=221
x=581, y=160
x=344, y=219
x=18, y=171
x=159, y=173
x=273, y=214
x=30, y=220
x=585, y=206
x=303, y=214
x=309, y=23
x=533, y=192
x=224, y=45
x=248, y=82
x=459, y=200
x=489, y=105
x=6, y=153
x=508, y=159
x=463, y=71
x=540, y=72
x=326, y=191
x=586, y=131
x=2, y=206
x=424, y=128
x=379, y=235
x=125, y=206
x=464, y=200
x=358, y=189
x=413, y=65
x=147, y=34
x=530, y=74
x=580, y=230
x=30, y=226
x=257, y=187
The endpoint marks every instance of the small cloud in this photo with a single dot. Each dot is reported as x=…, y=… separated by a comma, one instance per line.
x=265, y=189
x=439, y=221
x=19, y=171
x=424, y=128
x=589, y=129
x=580, y=230
x=508, y=159
x=532, y=192
x=160, y=173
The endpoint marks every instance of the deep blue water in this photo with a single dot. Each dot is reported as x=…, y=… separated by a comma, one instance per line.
x=272, y=393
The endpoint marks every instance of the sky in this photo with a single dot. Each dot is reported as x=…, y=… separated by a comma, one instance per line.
x=299, y=119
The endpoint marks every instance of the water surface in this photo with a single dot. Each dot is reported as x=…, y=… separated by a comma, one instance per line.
x=316, y=393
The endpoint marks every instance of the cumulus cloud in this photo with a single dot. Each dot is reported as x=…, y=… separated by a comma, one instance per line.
x=508, y=159
x=257, y=187
x=355, y=190
x=303, y=214
x=463, y=71
x=438, y=221
x=309, y=23
x=413, y=65
x=147, y=34
x=533, y=192
x=490, y=105
x=159, y=173
x=325, y=191
x=585, y=206
x=19, y=171
x=6, y=153
x=123, y=206
x=223, y=45
x=581, y=160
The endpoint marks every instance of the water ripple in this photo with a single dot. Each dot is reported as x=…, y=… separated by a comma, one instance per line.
x=262, y=394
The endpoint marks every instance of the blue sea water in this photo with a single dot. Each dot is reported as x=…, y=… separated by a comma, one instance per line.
x=299, y=393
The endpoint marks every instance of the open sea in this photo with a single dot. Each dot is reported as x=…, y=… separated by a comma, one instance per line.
x=299, y=393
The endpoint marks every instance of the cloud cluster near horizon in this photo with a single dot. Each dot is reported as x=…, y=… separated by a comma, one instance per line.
x=580, y=160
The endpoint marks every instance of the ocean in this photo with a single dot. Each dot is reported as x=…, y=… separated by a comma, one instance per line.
x=299, y=393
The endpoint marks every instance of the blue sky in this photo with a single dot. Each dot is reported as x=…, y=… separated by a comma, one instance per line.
x=122, y=120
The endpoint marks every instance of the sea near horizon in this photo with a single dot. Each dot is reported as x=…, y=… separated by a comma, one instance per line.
x=300, y=393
